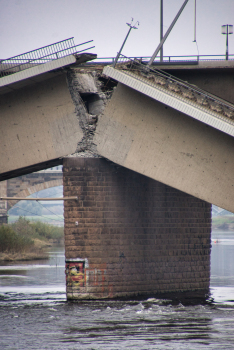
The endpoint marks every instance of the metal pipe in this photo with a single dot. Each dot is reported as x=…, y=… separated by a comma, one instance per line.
x=227, y=44
x=195, y=20
x=161, y=29
x=167, y=33
x=38, y=199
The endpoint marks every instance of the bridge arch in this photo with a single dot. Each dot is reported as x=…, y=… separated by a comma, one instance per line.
x=33, y=189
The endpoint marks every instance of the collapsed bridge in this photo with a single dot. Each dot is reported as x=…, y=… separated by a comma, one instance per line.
x=146, y=160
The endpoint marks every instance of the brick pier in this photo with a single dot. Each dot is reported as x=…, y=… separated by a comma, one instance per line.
x=130, y=236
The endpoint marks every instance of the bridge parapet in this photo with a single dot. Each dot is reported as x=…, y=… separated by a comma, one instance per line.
x=40, y=56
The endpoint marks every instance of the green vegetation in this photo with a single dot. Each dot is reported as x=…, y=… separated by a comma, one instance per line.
x=47, y=218
x=10, y=241
x=24, y=239
x=223, y=222
x=47, y=231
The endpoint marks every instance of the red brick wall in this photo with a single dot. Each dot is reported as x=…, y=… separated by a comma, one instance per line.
x=129, y=235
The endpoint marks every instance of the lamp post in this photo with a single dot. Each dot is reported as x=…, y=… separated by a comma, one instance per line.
x=131, y=27
x=161, y=29
x=227, y=29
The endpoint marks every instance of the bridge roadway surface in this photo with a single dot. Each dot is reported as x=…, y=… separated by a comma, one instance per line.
x=146, y=126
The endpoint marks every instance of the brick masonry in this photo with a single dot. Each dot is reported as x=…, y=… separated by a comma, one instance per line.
x=130, y=236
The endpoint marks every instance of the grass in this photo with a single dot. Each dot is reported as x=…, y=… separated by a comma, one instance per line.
x=24, y=239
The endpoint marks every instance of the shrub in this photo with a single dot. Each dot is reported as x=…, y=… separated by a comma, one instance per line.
x=18, y=237
x=10, y=241
x=23, y=227
x=48, y=231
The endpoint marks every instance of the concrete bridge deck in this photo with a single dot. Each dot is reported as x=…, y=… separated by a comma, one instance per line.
x=178, y=95
x=160, y=126
x=147, y=127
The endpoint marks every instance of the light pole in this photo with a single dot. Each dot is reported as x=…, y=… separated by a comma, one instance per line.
x=227, y=29
x=161, y=29
x=130, y=28
x=167, y=33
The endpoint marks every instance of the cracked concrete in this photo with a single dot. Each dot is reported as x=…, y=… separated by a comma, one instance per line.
x=181, y=89
x=89, y=97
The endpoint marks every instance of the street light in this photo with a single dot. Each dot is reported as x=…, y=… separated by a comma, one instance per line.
x=130, y=28
x=227, y=29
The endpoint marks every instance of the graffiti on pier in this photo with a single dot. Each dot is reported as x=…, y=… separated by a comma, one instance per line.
x=75, y=273
x=96, y=276
x=80, y=274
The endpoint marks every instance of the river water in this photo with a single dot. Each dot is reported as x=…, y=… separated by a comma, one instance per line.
x=34, y=313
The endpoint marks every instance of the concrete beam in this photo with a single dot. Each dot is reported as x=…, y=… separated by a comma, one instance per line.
x=37, y=73
x=37, y=70
x=176, y=100
x=164, y=144
x=38, y=124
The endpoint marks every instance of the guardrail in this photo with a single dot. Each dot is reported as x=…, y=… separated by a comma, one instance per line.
x=39, y=56
x=176, y=86
x=192, y=59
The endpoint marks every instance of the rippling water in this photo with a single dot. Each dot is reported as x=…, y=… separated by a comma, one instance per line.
x=34, y=313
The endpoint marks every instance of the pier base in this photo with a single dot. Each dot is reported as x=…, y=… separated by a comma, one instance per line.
x=130, y=236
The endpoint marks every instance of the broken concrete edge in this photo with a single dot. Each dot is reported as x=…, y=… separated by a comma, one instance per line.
x=90, y=96
x=52, y=66
x=169, y=98
x=84, y=154
x=84, y=98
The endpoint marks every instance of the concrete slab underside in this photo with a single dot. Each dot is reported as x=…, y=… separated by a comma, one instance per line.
x=37, y=124
x=131, y=236
x=148, y=137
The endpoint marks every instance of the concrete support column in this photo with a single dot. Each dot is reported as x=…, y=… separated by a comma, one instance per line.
x=131, y=236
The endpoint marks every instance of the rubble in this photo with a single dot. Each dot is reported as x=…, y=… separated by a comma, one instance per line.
x=90, y=90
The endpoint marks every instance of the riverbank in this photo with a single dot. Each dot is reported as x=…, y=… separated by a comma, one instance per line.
x=224, y=223
x=24, y=240
x=38, y=251
x=23, y=256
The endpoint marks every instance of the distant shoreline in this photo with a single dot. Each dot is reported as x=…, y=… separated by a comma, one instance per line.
x=38, y=252
x=7, y=257
x=224, y=223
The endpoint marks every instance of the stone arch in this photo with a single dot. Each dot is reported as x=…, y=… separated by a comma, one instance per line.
x=33, y=189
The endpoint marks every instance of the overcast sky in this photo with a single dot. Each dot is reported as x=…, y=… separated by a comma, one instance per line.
x=29, y=24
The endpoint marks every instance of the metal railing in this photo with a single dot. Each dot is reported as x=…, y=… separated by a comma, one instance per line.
x=176, y=86
x=189, y=59
x=39, y=56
